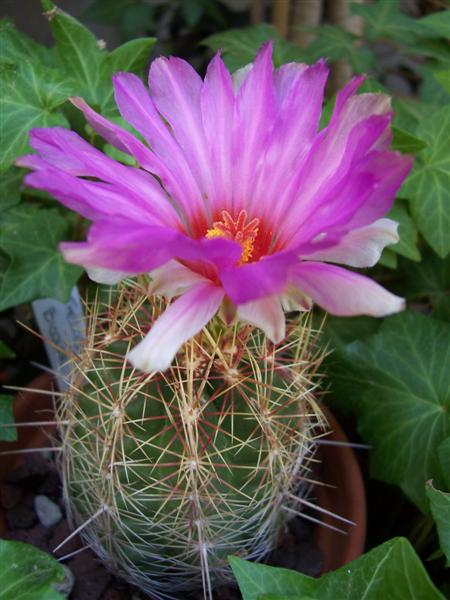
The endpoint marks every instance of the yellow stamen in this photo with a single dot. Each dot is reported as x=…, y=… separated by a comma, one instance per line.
x=237, y=230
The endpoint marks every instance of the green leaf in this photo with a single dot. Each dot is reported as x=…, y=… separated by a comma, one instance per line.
x=7, y=434
x=27, y=573
x=384, y=19
x=192, y=11
x=17, y=47
x=440, y=509
x=388, y=259
x=109, y=12
x=396, y=381
x=335, y=43
x=444, y=79
x=429, y=281
x=405, y=142
x=29, y=236
x=392, y=570
x=444, y=459
x=5, y=351
x=239, y=46
x=10, y=184
x=427, y=186
x=30, y=98
x=436, y=25
x=407, y=246
x=77, y=50
x=431, y=91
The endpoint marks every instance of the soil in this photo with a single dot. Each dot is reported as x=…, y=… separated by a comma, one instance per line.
x=38, y=476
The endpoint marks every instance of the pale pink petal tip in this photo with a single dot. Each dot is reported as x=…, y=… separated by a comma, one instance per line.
x=267, y=314
x=182, y=320
x=344, y=293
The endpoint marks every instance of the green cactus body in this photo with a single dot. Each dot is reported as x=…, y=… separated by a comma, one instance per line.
x=168, y=474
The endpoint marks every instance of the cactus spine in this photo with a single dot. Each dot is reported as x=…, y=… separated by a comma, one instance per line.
x=169, y=473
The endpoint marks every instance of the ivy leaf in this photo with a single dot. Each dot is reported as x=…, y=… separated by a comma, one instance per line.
x=384, y=19
x=10, y=183
x=335, y=43
x=392, y=570
x=77, y=50
x=429, y=281
x=29, y=236
x=28, y=573
x=436, y=25
x=444, y=79
x=31, y=97
x=406, y=143
x=427, y=186
x=407, y=245
x=7, y=434
x=83, y=55
x=239, y=46
x=397, y=381
x=444, y=457
x=17, y=47
x=388, y=259
x=440, y=509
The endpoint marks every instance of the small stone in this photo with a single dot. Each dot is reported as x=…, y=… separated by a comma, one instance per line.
x=66, y=586
x=91, y=577
x=47, y=511
x=10, y=495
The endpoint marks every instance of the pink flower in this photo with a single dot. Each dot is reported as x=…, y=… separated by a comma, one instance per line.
x=237, y=196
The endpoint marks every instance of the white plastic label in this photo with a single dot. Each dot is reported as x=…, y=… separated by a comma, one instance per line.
x=63, y=331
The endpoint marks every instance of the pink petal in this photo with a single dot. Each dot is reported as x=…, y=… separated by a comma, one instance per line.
x=253, y=281
x=254, y=112
x=267, y=314
x=173, y=279
x=360, y=247
x=217, y=104
x=175, y=88
x=137, y=107
x=127, y=246
x=344, y=293
x=182, y=320
x=65, y=150
x=93, y=199
x=106, y=276
x=294, y=130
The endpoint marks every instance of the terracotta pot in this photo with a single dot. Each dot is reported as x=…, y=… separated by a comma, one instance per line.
x=339, y=468
x=347, y=498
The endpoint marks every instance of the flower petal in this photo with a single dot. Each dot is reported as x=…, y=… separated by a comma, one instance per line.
x=106, y=276
x=253, y=281
x=267, y=314
x=137, y=107
x=67, y=151
x=127, y=246
x=175, y=88
x=344, y=293
x=360, y=247
x=173, y=279
x=217, y=104
x=254, y=112
x=182, y=320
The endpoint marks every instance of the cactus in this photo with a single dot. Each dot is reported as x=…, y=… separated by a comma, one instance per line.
x=169, y=473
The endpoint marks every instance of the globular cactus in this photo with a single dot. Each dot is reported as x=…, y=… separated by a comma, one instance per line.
x=169, y=473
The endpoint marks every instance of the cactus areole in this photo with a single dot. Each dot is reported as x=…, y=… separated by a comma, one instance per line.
x=197, y=444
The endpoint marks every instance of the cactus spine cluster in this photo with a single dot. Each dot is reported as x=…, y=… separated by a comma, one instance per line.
x=169, y=473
